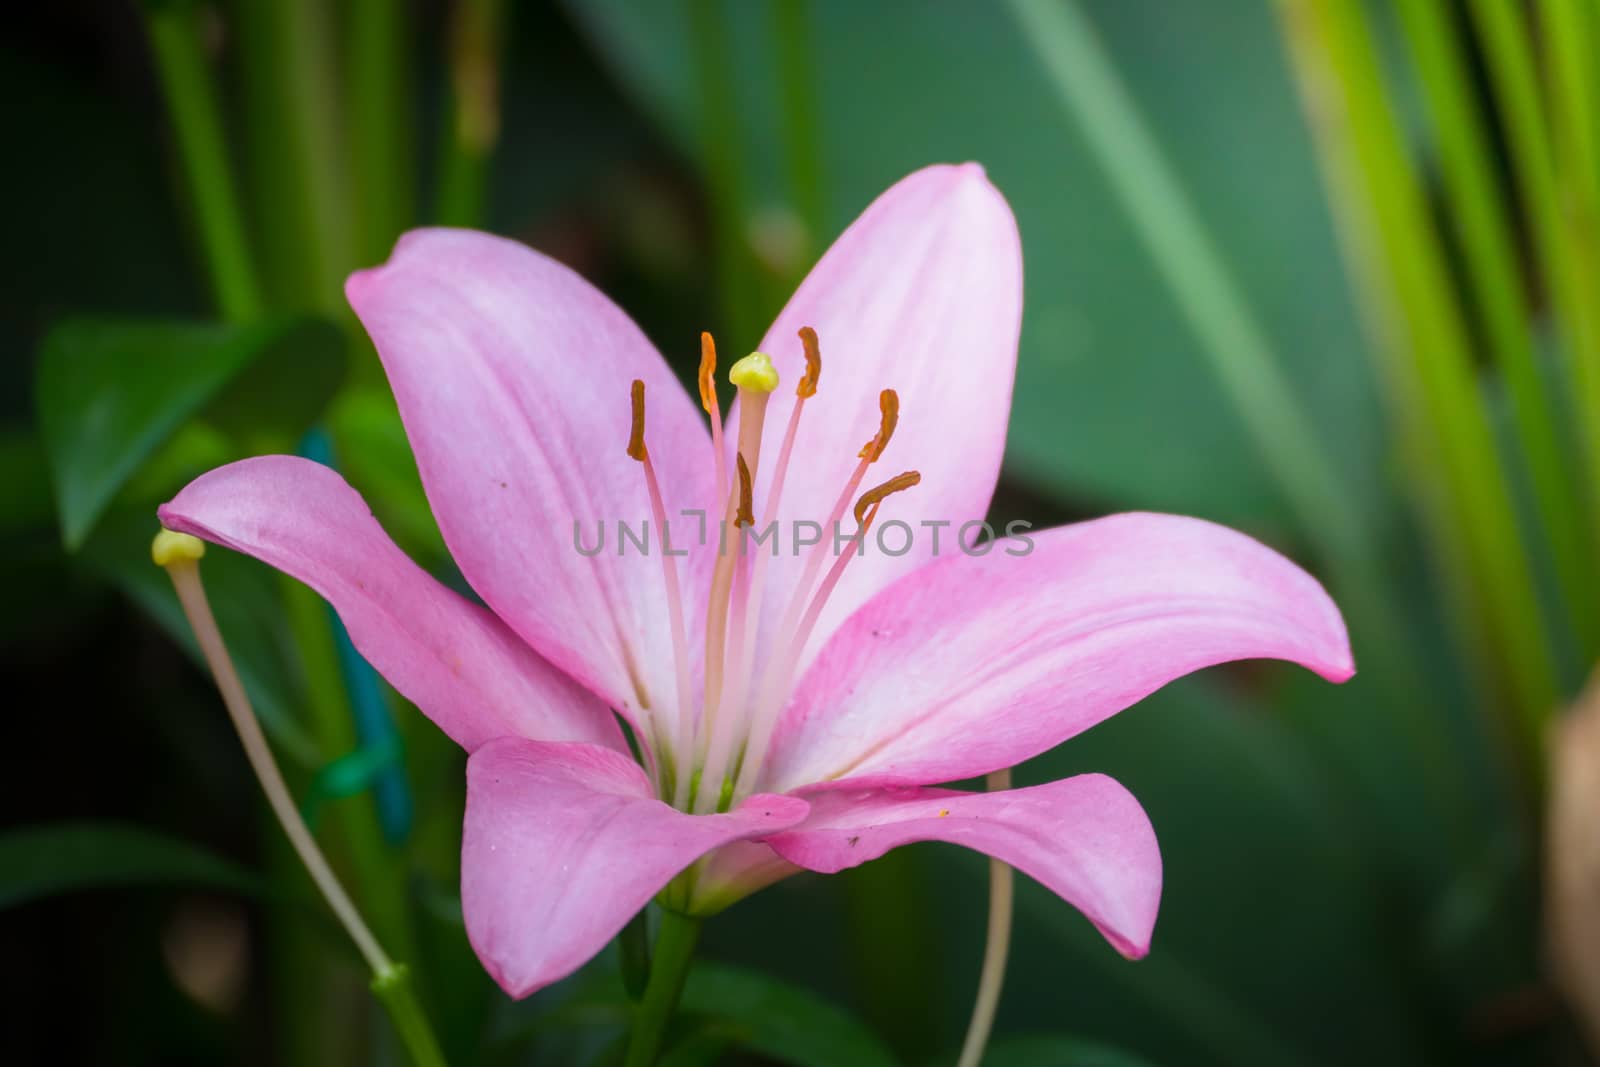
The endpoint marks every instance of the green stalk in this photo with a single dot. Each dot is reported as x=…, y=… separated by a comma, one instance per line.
x=1571, y=282
x=379, y=89
x=1571, y=44
x=725, y=176
x=669, y=968
x=1426, y=358
x=1242, y=359
x=802, y=138
x=1476, y=204
x=476, y=31
x=392, y=987
x=293, y=118
x=180, y=61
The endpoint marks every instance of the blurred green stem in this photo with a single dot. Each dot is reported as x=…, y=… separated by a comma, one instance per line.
x=1476, y=203
x=175, y=42
x=719, y=130
x=669, y=968
x=1572, y=39
x=476, y=31
x=802, y=139
x=378, y=85
x=392, y=987
x=1426, y=360
x=1241, y=356
x=300, y=176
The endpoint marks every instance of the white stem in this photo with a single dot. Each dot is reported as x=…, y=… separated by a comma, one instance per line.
x=993, y=974
x=191, y=593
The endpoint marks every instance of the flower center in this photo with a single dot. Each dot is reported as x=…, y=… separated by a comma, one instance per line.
x=720, y=746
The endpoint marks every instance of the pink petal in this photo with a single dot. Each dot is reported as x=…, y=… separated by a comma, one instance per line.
x=454, y=660
x=978, y=663
x=512, y=374
x=923, y=295
x=1086, y=839
x=565, y=843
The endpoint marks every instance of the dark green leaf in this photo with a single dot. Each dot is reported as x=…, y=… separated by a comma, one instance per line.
x=1057, y=1052
x=41, y=861
x=781, y=1021
x=111, y=393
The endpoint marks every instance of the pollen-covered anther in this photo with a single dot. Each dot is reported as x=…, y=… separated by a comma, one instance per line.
x=636, y=448
x=867, y=506
x=708, y=373
x=745, y=515
x=888, y=418
x=808, y=382
x=754, y=373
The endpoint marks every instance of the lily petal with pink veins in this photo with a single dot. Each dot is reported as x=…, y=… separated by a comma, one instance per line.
x=511, y=373
x=923, y=295
x=1086, y=839
x=563, y=844
x=462, y=666
x=978, y=663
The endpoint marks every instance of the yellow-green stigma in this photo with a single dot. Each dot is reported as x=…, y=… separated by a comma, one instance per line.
x=754, y=372
x=171, y=547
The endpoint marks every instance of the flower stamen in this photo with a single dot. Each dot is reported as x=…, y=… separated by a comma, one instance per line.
x=708, y=400
x=669, y=574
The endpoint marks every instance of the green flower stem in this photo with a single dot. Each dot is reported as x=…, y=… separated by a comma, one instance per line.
x=299, y=174
x=1571, y=32
x=175, y=43
x=476, y=32
x=1243, y=361
x=1558, y=241
x=393, y=989
x=1476, y=204
x=1426, y=360
x=669, y=967
x=802, y=139
x=725, y=174
x=378, y=86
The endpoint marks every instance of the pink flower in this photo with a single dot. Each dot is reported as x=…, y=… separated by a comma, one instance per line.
x=837, y=689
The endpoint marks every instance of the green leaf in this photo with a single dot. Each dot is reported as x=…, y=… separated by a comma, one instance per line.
x=1058, y=1052
x=42, y=861
x=780, y=1021
x=110, y=393
x=1115, y=401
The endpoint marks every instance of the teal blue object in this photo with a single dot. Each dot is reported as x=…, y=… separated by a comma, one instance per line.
x=378, y=762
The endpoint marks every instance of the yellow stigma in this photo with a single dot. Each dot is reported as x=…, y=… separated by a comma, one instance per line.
x=171, y=547
x=754, y=372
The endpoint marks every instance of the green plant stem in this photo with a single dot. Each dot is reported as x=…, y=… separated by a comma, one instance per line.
x=802, y=139
x=379, y=90
x=1427, y=362
x=186, y=82
x=1572, y=41
x=725, y=175
x=392, y=987
x=1476, y=204
x=1557, y=238
x=477, y=29
x=996, y=947
x=300, y=177
x=669, y=968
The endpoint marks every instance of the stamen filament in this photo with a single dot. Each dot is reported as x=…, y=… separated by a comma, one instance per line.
x=708, y=400
x=675, y=616
x=786, y=657
x=752, y=417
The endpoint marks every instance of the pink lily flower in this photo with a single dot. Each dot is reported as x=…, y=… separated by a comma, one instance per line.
x=797, y=711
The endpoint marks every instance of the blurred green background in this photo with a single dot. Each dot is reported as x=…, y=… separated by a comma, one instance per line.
x=1351, y=873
